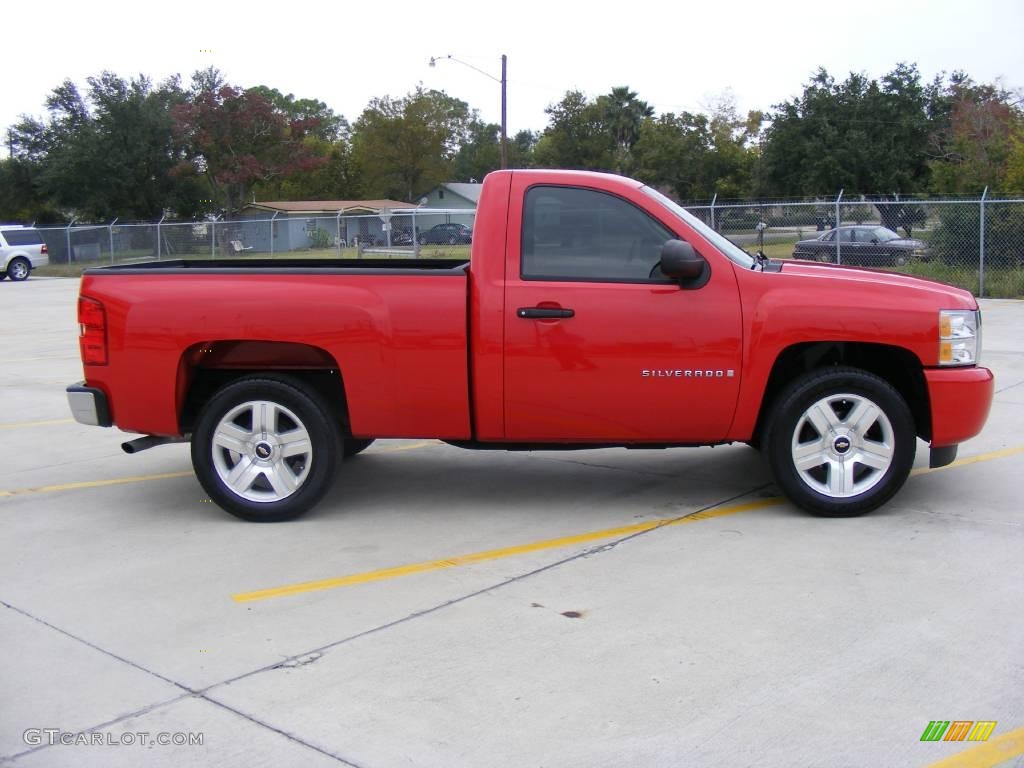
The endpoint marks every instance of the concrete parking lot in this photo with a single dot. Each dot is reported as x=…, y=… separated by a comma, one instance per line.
x=449, y=608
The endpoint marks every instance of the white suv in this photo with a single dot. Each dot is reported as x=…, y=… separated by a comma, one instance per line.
x=21, y=250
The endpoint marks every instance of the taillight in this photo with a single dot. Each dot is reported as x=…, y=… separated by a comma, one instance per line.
x=92, y=328
x=45, y=248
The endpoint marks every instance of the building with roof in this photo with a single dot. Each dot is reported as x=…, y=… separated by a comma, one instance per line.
x=454, y=195
x=301, y=224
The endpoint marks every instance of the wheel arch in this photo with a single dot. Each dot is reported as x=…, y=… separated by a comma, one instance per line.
x=206, y=367
x=896, y=365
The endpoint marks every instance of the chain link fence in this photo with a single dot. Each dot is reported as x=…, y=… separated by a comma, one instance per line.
x=419, y=233
x=977, y=244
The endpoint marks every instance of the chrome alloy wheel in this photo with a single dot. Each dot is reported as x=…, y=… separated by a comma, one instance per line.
x=843, y=445
x=18, y=269
x=262, y=451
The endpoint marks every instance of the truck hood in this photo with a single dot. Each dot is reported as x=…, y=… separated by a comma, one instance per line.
x=858, y=278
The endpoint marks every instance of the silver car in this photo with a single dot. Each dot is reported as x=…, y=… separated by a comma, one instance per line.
x=21, y=250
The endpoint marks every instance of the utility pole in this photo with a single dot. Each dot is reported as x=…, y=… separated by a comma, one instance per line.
x=504, y=89
x=504, y=120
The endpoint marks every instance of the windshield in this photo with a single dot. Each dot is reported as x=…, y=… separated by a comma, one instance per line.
x=884, y=235
x=724, y=244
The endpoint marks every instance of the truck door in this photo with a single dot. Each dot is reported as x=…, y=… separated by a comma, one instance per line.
x=598, y=345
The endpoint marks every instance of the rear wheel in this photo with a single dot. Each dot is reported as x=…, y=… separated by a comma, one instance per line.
x=264, y=448
x=18, y=269
x=840, y=442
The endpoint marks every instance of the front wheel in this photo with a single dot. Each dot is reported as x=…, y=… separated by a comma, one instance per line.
x=264, y=448
x=840, y=442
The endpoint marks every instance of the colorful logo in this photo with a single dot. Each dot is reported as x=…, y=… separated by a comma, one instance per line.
x=958, y=730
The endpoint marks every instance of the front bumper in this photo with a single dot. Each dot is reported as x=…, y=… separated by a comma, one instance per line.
x=960, y=401
x=89, y=405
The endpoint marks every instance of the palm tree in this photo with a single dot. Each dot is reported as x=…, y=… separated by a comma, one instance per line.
x=624, y=113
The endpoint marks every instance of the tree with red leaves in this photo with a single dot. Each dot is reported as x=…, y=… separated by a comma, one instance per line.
x=237, y=138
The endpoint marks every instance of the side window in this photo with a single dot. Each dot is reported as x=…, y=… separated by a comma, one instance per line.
x=23, y=237
x=581, y=234
x=845, y=235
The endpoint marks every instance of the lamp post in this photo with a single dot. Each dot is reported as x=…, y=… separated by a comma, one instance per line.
x=504, y=82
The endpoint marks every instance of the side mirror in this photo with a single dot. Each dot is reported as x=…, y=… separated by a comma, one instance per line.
x=680, y=262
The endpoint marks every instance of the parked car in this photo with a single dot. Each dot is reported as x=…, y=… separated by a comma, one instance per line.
x=21, y=250
x=450, y=234
x=862, y=245
x=596, y=313
x=400, y=236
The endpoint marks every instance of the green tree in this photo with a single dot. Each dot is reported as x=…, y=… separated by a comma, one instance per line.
x=108, y=154
x=622, y=114
x=860, y=135
x=479, y=154
x=336, y=179
x=404, y=147
x=321, y=121
x=20, y=199
x=671, y=153
x=576, y=137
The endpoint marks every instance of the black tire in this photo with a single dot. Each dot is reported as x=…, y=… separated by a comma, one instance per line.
x=826, y=258
x=842, y=485
x=272, y=497
x=18, y=269
x=3, y=275
x=352, y=446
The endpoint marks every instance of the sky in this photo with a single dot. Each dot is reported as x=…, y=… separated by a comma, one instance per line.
x=676, y=55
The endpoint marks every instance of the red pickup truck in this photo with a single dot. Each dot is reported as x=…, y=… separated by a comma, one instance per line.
x=593, y=312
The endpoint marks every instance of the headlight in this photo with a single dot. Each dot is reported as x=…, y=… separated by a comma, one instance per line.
x=959, y=336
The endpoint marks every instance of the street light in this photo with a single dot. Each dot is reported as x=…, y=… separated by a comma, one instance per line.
x=504, y=82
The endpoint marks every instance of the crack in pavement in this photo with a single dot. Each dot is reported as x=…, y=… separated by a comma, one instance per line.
x=1010, y=386
x=314, y=654
x=187, y=692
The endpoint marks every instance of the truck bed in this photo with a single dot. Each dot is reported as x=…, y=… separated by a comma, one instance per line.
x=288, y=266
x=393, y=330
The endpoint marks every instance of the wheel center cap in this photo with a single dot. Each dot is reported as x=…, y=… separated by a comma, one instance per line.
x=841, y=444
x=263, y=450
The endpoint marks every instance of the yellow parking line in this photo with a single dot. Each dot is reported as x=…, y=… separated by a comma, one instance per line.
x=95, y=483
x=966, y=460
x=992, y=753
x=40, y=423
x=409, y=447
x=496, y=554
x=564, y=541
